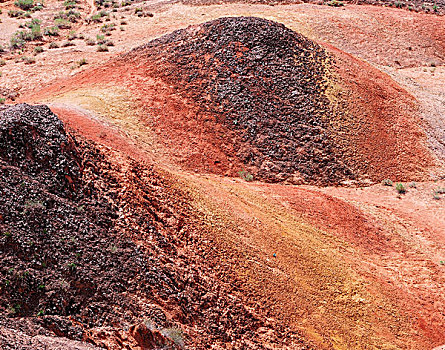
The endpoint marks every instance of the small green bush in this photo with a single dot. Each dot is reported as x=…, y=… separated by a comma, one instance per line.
x=18, y=14
x=51, y=31
x=20, y=37
x=100, y=39
x=95, y=19
x=38, y=49
x=70, y=5
x=400, y=188
x=90, y=42
x=387, y=182
x=53, y=45
x=108, y=28
x=62, y=23
x=102, y=48
x=82, y=62
x=34, y=22
x=29, y=60
x=72, y=35
x=245, y=175
x=67, y=44
x=335, y=3
x=2, y=100
x=16, y=41
x=24, y=4
x=70, y=16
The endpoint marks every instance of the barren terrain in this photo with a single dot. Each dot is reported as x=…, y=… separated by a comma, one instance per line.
x=223, y=175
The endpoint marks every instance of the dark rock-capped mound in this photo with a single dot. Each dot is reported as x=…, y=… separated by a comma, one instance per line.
x=34, y=140
x=266, y=84
x=101, y=264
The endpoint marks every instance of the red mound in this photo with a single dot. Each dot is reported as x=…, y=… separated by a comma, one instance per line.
x=249, y=93
x=83, y=263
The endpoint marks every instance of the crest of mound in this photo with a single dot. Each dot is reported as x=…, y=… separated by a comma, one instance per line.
x=266, y=85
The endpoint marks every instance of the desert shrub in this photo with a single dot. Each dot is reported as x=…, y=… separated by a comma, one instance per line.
x=67, y=43
x=2, y=62
x=72, y=35
x=95, y=19
x=108, y=28
x=19, y=38
x=69, y=4
x=335, y=3
x=24, y=4
x=16, y=42
x=29, y=60
x=38, y=49
x=100, y=39
x=82, y=62
x=70, y=16
x=437, y=193
x=18, y=14
x=37, y=7
x=440, y=191
x=245, y=175
x=34, y=33
x=2, y=100
x=387, y=182
x=51, y=31
x=34, y=22
x=400, y=188
x=102, y=48
x=90, y=42
x=53, y=45
x=62, y=23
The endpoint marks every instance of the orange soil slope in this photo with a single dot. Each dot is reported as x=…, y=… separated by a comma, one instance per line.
x=346, y=275
x=380, y=123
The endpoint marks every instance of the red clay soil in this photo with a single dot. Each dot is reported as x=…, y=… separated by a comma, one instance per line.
x=371, y=241
x=346, y=275
x=374, y=241
x=380, y=125
x=121, y=249
x=368, y=126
